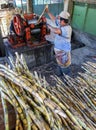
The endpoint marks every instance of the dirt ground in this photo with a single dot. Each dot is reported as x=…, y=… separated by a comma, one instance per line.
x=51, y=69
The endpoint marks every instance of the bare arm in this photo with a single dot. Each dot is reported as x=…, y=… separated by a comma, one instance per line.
x=52, y=17
x=55, y=30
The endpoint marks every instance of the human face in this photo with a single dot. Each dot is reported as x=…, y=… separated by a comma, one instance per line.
x=62, y=23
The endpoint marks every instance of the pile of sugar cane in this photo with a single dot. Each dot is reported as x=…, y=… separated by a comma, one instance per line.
x=70, y=105
x=5, y=20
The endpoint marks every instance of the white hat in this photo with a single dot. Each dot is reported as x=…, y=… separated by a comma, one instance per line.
x=64, y=15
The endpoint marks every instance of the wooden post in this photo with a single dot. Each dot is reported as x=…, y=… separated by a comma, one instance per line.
x=22, y=6
x=66, y=4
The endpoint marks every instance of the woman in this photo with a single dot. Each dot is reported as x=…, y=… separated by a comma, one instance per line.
x=62, y=45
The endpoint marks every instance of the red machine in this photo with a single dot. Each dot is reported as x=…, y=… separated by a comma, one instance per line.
x=27, y=31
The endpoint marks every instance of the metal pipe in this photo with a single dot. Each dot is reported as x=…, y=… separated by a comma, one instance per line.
x=29, y=6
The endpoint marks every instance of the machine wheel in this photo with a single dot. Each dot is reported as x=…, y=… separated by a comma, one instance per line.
x=18, y=25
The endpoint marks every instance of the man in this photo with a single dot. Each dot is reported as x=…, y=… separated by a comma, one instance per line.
x=62, y=45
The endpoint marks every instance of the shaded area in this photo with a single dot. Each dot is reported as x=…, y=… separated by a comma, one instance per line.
x=76, y=44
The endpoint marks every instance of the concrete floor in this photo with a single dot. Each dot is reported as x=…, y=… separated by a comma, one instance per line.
x=79, y=55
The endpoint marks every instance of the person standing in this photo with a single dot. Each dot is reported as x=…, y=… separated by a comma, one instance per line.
x=62, y=42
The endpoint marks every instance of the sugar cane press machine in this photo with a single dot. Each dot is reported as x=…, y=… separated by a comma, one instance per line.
x=28, y=30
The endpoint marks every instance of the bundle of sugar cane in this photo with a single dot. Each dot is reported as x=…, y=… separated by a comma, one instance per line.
x=80, y=93
x=90, y=68
x=70, y=93
x=6, y=20
x=35, y=107
x=39, y=106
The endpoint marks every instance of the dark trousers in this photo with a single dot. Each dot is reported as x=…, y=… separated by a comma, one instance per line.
x=63, y=70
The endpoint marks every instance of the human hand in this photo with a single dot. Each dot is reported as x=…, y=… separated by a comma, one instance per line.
x=58, y=17
x=52, y=29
